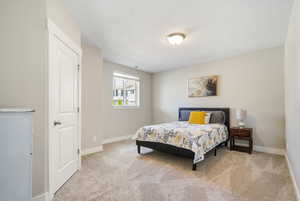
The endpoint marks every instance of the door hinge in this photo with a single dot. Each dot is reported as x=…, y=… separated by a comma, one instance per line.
x=78, y=109
x=78, y=151
x=78, y=67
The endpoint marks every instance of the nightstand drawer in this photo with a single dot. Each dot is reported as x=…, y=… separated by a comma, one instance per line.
x=242, y=132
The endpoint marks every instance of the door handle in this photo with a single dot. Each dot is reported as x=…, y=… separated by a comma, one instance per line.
x=56, y=123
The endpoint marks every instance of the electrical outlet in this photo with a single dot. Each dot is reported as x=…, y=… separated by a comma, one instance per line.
x=95, y=138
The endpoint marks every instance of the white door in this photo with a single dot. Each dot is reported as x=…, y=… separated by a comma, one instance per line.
x=64, y=112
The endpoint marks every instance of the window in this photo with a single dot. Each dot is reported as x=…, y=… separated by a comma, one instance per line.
x=125, y=90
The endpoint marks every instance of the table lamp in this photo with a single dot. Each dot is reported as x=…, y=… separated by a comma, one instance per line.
x=241, y=115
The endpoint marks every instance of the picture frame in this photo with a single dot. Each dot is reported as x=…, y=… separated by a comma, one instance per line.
x=203, y=86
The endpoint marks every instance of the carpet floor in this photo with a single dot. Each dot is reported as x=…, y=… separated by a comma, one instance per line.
x=120, y=174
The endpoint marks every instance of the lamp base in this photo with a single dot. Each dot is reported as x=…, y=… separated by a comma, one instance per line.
x=241, y=124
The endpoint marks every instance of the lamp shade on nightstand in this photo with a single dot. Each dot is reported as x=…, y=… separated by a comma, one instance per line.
x=241, y=115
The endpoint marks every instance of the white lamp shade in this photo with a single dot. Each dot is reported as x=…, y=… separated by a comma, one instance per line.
x=241, y=114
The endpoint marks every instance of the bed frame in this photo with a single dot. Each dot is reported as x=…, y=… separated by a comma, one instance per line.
x=181, y=151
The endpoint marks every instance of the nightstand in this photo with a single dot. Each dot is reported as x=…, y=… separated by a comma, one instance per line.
x=241, y=134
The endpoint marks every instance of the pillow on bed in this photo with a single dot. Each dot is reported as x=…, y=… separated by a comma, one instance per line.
x=207, y=117
x=217, y=117
x=197, y=117
x=184, y=115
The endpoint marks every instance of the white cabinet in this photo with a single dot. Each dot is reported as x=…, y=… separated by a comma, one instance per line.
x=15, y=154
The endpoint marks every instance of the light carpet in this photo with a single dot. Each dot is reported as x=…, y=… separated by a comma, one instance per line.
x=120, y=174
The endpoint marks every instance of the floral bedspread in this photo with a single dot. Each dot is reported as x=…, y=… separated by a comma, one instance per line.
x=198, y=138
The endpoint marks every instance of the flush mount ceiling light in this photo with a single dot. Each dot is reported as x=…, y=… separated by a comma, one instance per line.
x=176, y=38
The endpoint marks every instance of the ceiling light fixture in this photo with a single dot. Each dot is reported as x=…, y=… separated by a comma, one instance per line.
x=176, y=38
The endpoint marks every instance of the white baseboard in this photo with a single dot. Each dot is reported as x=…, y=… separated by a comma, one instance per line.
x=42, y=197
x=107, y=141
x=116, y=139
x=297, y=190
x=269, y=150
x=92, y=150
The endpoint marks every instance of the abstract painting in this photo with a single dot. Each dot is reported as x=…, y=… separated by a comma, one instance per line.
x=202, y=86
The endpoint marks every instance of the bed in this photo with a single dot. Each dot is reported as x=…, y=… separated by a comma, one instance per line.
x=184, y=139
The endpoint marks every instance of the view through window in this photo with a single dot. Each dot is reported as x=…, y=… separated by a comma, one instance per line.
x=125, y=90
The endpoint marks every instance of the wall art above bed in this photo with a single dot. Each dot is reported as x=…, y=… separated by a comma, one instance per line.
x=203, y=86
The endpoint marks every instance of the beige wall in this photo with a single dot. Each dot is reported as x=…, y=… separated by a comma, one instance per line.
x=92, y=67
x=124, y=122
x=292, y=90
x=61, y=16
x=252, y=81
x=23, y=67
x=23, y=71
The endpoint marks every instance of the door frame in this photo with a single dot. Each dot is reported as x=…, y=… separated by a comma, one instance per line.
x=55, y=32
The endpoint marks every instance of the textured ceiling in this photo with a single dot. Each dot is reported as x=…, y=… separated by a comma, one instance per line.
x=133, y=32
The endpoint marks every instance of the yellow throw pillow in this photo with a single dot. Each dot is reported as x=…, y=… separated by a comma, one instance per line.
x=197, y=117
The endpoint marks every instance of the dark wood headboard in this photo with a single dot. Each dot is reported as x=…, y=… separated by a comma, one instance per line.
x=225, y=110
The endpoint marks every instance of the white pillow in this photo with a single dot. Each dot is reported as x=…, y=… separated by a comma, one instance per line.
x=207, y=117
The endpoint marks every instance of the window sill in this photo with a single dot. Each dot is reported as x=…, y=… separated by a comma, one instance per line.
x=126, y=107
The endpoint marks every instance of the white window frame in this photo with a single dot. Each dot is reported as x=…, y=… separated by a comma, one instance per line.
x=122, y=75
